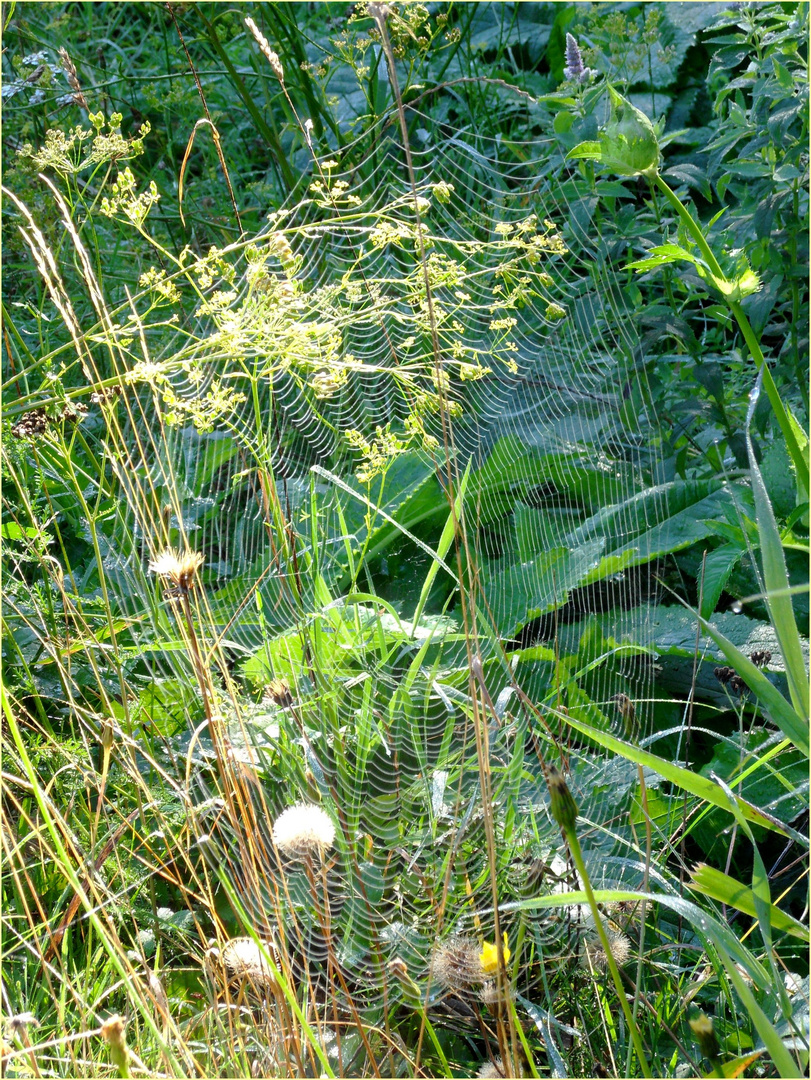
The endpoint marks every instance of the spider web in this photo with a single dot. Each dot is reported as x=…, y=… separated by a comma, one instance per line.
x=325, y=329
x=322, y=327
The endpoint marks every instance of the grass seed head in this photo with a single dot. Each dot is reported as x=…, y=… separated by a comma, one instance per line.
x=303, y=830
x=271, y=57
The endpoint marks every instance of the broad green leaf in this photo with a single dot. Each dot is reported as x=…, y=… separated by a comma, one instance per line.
x=790, y=722
x=717, y=567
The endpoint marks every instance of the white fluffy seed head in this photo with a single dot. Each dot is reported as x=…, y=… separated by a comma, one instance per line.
x=244, y=959
x=456, y=963
x=180, y=567
x=594, y=954
x=303, y=830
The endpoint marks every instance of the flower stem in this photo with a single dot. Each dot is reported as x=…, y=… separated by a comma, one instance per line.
x=752, y=343
x=570, y=832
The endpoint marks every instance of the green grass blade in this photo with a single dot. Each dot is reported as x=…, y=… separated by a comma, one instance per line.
x=686, y=779
x=776, y=580
x=783, y=1061
x=793, y=724
x=445, y=541
x=727, y=890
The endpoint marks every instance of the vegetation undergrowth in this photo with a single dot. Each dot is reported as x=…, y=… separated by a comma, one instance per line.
x=405, y=540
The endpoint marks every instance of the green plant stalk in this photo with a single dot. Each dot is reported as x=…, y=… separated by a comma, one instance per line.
x=749, y=337
x=570, y=832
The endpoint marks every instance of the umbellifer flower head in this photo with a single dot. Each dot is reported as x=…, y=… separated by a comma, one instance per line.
x=303, y=830
x=180, y=568
x=457, y=964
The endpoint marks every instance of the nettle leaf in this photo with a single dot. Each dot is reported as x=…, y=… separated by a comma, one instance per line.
x=717, y=567
x=663, y=254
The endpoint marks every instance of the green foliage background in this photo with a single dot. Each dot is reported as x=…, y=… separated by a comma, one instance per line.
x=240, y=258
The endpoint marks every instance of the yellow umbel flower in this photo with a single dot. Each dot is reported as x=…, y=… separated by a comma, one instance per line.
x=488, y=957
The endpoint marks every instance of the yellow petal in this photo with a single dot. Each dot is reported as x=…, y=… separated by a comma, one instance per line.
x=489, y=955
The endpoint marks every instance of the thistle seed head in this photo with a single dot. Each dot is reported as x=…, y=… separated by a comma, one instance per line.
x=595, y=955
x=303, y=830
x=456, y=963
x=180, y=568
x=244, y=960
x=493, y=1070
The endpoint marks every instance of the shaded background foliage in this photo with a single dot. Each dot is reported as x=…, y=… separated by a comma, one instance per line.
x=483, y=83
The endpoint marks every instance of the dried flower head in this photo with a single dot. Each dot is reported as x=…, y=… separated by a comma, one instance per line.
x=594, y=953
x=32, y=424
x=398, y=968
x=181, y=569
x=21, y=1021
x=278, y=692
x=456, y=963
x=493, y=995
x=264, y=45
x=245, y=961
x=303, y=830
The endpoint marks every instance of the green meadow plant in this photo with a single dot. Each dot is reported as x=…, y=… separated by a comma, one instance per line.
x=330, y=547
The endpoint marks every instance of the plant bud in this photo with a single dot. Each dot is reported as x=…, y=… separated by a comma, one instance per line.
x=702, y=1028
x=563, y=808
x=629, y=142
x=112, y=1031
x=107, y=734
